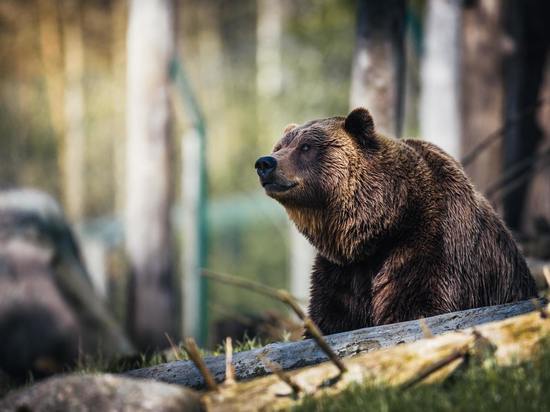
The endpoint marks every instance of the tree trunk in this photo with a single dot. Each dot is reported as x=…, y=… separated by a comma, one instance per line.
x=481, y=85
x=52, y=59
x=119, y=24
x=73, y=149
x=377, y=77
x=526, y=24
x=439, y=102
x=302, y=254
x=152, y=303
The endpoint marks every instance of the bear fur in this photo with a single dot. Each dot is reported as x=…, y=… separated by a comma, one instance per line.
x=399, y=229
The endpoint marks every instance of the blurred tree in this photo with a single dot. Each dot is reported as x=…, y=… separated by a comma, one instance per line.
x=377, y=77
x=269, y=85
x=72, y=149
x=152, y=301
x=269, y=72
x=526, y=25
x=481, y=88
x=439, y=101
x=52, y=60
x=118, y=24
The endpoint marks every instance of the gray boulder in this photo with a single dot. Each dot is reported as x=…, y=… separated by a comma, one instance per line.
x=49, y=312
x=98, y=393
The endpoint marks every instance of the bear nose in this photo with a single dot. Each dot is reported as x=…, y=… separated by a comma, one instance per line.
x=265, y=165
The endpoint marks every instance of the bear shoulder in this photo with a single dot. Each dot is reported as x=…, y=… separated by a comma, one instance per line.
x=429, y=150
x=444, y=168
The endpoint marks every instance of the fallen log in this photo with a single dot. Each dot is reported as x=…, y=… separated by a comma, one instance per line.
x=293, y=355
x=507, y=342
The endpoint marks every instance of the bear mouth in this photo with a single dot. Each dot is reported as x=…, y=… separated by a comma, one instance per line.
x=273, y=187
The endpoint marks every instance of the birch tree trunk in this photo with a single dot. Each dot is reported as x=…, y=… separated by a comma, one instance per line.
x=377, y=77
x=439, y=101
x=152, y=303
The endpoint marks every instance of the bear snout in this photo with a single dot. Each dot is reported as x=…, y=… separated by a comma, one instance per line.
x=265, y=166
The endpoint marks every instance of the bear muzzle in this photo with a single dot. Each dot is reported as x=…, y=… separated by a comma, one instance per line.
x=266, y=167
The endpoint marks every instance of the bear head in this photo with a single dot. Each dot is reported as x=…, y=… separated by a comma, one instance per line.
x=338, y=181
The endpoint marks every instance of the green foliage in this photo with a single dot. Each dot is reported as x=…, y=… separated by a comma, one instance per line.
x=219, y=51
x=476, y=388
x=28, y=156
x=316, y=51
x=317, y=55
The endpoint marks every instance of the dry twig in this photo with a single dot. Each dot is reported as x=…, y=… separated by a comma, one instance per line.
x=173, y=346
x=426, y=331
x=194, y=354
x=519, y=172
x=229, y=368
x=275, y=368
x=434, y=367
x=497, y=134
x=540, y=308
x=285, y=297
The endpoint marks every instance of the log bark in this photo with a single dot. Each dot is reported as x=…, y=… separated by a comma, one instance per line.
x=508, y=341
x=294, y=355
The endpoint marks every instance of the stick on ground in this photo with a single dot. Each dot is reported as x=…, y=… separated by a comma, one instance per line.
x=275, y=368
x=288, y=299
x=194, y=354
x=229, y=368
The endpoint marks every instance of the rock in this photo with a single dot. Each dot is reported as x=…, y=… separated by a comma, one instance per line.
x=99, y=393
x=49, y=313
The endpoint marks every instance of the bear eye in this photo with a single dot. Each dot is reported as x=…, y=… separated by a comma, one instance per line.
x=305, y=147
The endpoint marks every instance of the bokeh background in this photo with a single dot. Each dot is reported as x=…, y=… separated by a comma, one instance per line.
x=472, y=76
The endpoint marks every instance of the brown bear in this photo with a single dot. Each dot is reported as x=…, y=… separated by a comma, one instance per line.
x=400, y=231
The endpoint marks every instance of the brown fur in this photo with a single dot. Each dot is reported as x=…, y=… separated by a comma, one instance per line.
x=399, y=229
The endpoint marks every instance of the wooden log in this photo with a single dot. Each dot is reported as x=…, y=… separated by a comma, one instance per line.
x=509, y=341
x=294, y=355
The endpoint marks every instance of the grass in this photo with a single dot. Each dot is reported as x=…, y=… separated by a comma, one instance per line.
x=98, y=364
x=524, y=387
x=89, y=364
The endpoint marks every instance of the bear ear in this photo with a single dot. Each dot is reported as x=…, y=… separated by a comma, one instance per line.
x=289, y=128
x=360, y=125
